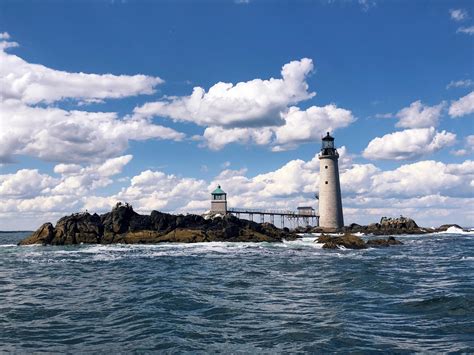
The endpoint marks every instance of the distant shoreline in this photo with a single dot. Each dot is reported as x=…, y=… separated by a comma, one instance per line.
x=24, y=231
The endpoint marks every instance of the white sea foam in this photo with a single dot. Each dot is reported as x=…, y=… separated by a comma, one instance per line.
x=455, y=230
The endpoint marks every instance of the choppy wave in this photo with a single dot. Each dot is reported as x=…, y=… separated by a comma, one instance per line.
x=455, y=230
x=238, y=297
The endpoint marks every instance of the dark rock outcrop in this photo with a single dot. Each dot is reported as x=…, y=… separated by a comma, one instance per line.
x=379, y=243
x=386, y=226
x=350, y=241
x=389, y=226
x=347, y=240
x=124, y=225
x=445, y=227
x=44, y=235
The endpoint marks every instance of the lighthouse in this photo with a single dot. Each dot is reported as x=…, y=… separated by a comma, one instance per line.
x=330, y=203
x=219, y=201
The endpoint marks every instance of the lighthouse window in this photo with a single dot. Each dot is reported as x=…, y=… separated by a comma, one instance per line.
x=326, y=167
x=326, y=182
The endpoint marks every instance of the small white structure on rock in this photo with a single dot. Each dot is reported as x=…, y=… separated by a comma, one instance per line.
x=219, y=201
x=330, y=202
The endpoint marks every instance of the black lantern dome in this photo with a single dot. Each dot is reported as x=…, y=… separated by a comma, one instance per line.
x=328, y=145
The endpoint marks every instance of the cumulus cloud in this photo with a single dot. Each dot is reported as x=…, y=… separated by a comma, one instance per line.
x=300, y=126
x=309, y=125
x=156, y=190
x=30, y=198
x=35, y=83
x=64, y=136
x=28, y=190
x=463, y=106
x=25, y=183
x=418, y=115
x=246, y=104
x=458, y=14
x=218, y=137
x=408, y=144
x=29, y=125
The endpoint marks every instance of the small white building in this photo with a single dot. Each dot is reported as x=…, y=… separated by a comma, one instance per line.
x=306, y=211
x=219, y=201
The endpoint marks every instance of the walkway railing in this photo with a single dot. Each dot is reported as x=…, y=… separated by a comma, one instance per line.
x=294, y=216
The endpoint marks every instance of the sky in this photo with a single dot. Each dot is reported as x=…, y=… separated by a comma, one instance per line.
x=155, y=103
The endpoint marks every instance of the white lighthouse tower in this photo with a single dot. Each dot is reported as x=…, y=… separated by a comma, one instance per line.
x=330, y=203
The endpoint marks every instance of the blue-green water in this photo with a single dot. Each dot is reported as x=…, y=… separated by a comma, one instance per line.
x=222, y=297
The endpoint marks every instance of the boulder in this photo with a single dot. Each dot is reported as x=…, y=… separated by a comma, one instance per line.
x=347, y=240
x=388, y=226
x=378, y=243
x=43, y=235
x=350, y=241
x=445, y=227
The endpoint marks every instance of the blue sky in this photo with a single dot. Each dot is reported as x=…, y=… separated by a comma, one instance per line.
x=364, y=69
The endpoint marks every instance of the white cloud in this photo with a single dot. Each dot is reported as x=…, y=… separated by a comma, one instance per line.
x=300, y=126
x=458, y=14
x=468, y=147
x=460, y=84
x=418, y=115
x=309, y=125
x=30, y=192
x=253, y=103
x=57, y=135
x=35, y=83
x=417, y=179
x=466, y=30
x=463, y=106
x=25, y=183
x=78, y=180
x=408, y=144
x=218, y=137
x=156, y=190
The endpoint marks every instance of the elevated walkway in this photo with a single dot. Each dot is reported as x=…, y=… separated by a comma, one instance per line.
x=293, y=217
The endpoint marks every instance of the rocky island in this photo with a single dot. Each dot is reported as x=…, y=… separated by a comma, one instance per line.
x=124, y=225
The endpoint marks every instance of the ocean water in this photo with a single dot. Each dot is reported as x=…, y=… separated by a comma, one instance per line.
x=238, y=298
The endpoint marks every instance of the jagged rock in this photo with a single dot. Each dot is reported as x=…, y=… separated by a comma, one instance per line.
x=348, y=241
x=43, y=235
x=377, y=243
x=388, y=226
x=78, y=228
x=124, y=225
x=330, y=245
x=445, y=227
x=351, y=241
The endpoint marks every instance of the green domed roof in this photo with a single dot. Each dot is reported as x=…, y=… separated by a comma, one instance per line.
x=218, y=191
